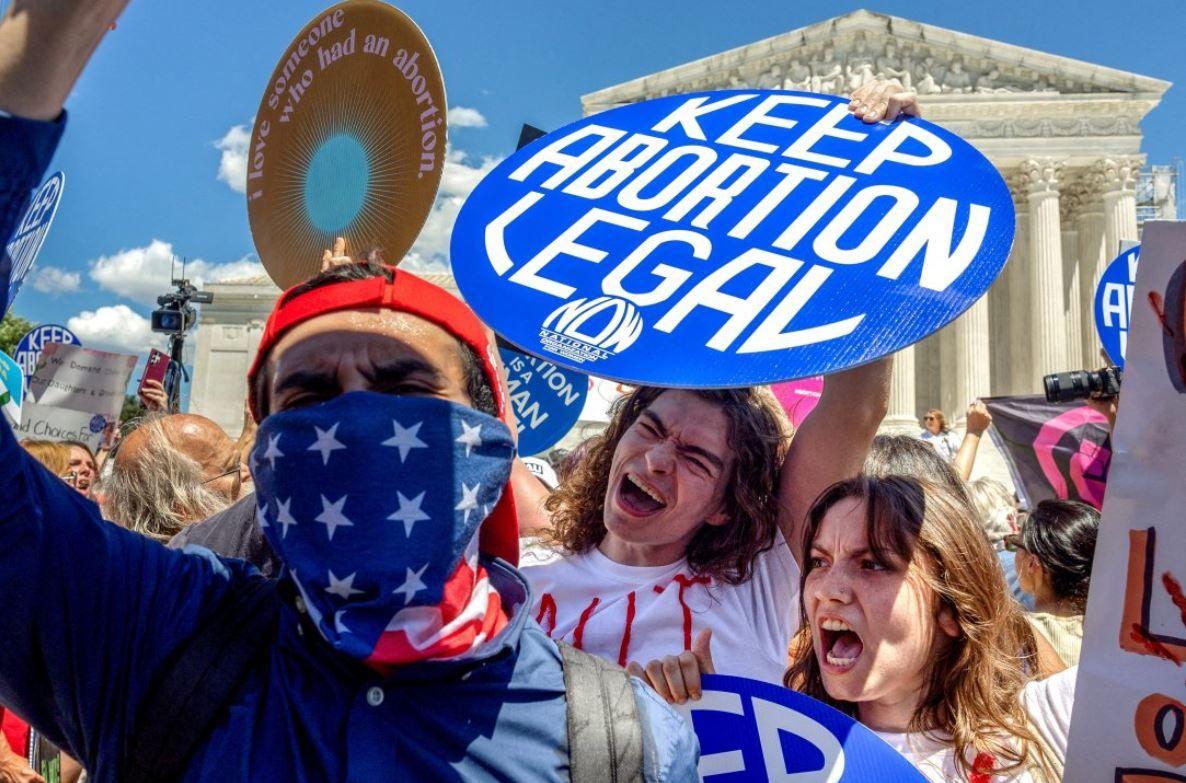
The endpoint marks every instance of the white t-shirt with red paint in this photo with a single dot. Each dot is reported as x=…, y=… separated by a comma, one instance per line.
x=1047, y=702
x=640, y=613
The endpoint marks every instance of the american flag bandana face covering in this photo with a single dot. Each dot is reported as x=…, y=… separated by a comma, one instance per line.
x=374, y=503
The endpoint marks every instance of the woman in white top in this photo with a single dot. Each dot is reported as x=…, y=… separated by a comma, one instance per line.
x=938, y=434
x=908, y=627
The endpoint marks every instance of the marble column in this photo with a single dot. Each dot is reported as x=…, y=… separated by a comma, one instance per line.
x=1069, y=205
x=1091, y=261
x=1016, y=350
x=972, y=367
x=1119, y=179
x=1047, y=332
x=903, y=415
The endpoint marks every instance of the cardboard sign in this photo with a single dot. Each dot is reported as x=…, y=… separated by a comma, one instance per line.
x=1130, y=701
x=28, y=350
x=12, y=388
x=349, y=140
x=21, y=250
x=799, y=398
x=756, y=732
x=82, y=379
x=1054, y=450
x=1113, y=303
x=44, y=422
x=548, y=399
x=731, y=238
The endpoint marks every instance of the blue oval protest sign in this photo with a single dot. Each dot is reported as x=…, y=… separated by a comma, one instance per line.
x=548, y=399
x=757, y=732
x=29, y=349
x=22, y=248
x=1113, y=303
x=731, y=238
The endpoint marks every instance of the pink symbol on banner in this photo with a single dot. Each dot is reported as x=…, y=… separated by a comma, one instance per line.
x=799, y=398
x=1087, y=464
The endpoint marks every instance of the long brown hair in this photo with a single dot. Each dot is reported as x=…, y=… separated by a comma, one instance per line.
x=758, y=435
x=972, y=696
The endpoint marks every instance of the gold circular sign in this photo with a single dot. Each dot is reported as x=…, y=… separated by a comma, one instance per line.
x=349, y=140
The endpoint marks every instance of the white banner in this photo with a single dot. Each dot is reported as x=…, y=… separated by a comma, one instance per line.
x=41, y=422
x=1130, y=706
x=81, y=379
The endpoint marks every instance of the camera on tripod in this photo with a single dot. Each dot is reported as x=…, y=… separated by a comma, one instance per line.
x=1082, y=384
x=176, y=315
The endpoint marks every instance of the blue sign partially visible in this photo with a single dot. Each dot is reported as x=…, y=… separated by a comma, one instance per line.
x=756, y=732
x=548, y=399
x=12, y=387
x=22, y=248
x=731, y=238
x=1113, y=303
x=28, y=350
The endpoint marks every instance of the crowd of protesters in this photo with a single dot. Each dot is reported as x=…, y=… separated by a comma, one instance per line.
x=697, y=533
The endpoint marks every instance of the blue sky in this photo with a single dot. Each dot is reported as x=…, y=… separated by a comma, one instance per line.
x=173, y=81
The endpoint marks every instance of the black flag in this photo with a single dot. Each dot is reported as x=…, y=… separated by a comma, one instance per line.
x=1055, y=450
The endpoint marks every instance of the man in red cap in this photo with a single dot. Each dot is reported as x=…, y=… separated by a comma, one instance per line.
x=398, y=645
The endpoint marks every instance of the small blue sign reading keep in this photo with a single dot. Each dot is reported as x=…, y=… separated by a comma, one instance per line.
x=28, y=350
x=21, y=249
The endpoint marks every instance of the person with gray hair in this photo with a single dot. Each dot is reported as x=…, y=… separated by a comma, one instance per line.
x=167, y=475
x=996, y=510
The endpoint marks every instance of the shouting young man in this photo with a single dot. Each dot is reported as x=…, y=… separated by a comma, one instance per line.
x=683, y=522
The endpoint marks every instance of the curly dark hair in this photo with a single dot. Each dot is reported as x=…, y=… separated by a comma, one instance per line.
x=758, y=435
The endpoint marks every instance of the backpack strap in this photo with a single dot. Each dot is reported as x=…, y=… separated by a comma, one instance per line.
x=604, y=730
x=193, y=687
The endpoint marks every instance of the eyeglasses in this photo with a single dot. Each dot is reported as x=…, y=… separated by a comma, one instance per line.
x=1013, y=543
x=928, y=418
x=236, y=471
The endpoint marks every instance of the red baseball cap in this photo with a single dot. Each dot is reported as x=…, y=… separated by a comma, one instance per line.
x=403, y=293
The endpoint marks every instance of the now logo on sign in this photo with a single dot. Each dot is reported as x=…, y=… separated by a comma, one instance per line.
x=769, y=235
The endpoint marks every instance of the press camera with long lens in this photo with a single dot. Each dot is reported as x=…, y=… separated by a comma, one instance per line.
x=1082, y=384
x=176, y=315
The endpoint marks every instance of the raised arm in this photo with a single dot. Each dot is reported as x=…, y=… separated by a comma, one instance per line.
x=44, y=45
x=978, y=419
x=832, y=442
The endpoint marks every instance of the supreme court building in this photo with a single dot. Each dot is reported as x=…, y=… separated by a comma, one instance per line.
x=1064, y=133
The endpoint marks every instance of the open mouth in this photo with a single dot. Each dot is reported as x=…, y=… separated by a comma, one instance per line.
x=841, y=645
x=639, y=498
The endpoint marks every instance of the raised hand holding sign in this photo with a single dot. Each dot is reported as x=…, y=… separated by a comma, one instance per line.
x=731, y=238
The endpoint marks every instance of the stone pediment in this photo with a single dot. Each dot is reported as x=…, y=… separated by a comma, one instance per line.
x=839, y=54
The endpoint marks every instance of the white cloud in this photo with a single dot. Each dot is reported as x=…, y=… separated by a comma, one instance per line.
x=232, y=167
x=459, y=117
x=55, y=281
x=117, y=328
x=143, y=273
x=458, y=179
